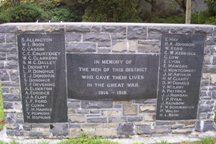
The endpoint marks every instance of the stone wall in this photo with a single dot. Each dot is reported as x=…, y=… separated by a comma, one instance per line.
x=105, y=118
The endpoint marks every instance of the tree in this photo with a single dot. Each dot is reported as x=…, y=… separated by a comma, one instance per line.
x=212, y=7
x=153, y=4
x=182, y=4
x=108, y=10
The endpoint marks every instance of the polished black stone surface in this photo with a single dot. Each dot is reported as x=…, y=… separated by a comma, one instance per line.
x=179, y=78
x=112, y=76
x=42, y=77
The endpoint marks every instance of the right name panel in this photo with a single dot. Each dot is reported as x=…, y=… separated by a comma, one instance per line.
x=179, y=76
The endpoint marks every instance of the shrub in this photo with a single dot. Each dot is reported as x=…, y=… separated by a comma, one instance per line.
x=199, y=17
x=62, y=14
x=211, y=20
x=26, y=13
x=171, y=19
x=212, y=7
x=4, y=17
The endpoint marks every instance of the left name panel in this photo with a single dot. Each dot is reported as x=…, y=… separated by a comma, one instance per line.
x=42, y=77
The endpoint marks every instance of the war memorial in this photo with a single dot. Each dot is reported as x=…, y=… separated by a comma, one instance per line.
x=60, y=80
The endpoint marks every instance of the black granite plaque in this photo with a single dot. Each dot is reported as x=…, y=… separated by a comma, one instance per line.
x=179, y=78
x=43, y=78
x=112, y=76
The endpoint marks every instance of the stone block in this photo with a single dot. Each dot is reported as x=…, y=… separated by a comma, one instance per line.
x=144, y=129
x=214, y=60
x=7, y=29
x=11, y=65
x=117, y=119
x=8, y=47
x=11, y=97
x=94, y=111
x=38, y=134
x=74, y=104
x=120, y=46
x=135, y=119
x=210, y=40
x=4, y=76
x=204, y=30
x=96, y=37
x=2, y=56
x=104, y=50
x=8, y=105
x=2, y=38
x=12, y=57
x=204, y=126
x=208, y=59
x=149, y=46
x=13, y=133
x=129, y=109
x=147, y=108
x=40, y=28
x=181, y=30
x=78, y=28
x=155, y=33
x=162, y=129
x=72, y=37
x=77, y=118
x=161, y=123
x=209, y=49
x=118, y=36
x=111, y=113
x=94, y=115
x=204, y=82
x=18, y=106
x=11, y=37
x=213, y=78
x=114, y=29
x=9, y=83
x=182, y=131
x=14, y=75
x=2, y=64
x=206, y=76
x=125, y=129
x=59, y=130
x=96, y=28
x=97, y=120
x=81, y=47
x=75, y=132
x=132, y=46
x=14, y=90
x=149, y=117
x=10, y=118
x=71, y=125
x=136, y=32
x=146, y=101
x=104, y=44
x=158, y=29
x=209, y=69
x=96, y=104
x=5, y=90
x=106, y=130
x=177, y=126
x=82, y=111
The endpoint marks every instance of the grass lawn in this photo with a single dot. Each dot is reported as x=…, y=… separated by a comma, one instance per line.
x=93, y=140
x=1, y=110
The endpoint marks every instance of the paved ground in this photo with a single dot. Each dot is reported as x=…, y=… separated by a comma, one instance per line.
x=132, y=140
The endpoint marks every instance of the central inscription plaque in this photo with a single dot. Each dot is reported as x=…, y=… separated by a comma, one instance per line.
x=112, y=77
